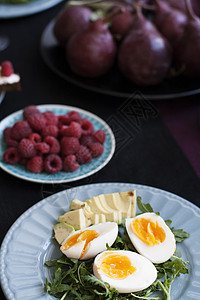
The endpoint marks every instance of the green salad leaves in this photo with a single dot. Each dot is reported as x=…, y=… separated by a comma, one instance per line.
x=74, y=279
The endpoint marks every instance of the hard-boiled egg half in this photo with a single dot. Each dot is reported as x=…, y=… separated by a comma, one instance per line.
x=151, y=237
x=126, y=271
x=86, y=243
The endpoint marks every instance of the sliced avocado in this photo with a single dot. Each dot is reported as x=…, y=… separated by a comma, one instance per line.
x=95, y=219
x=76, y=204
x=76, y=218
x=113, y=200
x=102, y=218
x=87, y=211
x=62, y=231
x=96, y=206
x=132, y=195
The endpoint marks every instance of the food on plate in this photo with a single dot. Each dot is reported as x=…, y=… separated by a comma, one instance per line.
x=126, y=271
x=91, y=52
x=100, y=261
x=8, y=79
x=69, y=20
x=140, y=50
x=121, y=23
x=87, y=243
x=44, y=141
x=180, y=5
x=144, y=55
x=111, y=207
x=151, y=237
x=171, y=22
x=188, y=47
x=61, y=231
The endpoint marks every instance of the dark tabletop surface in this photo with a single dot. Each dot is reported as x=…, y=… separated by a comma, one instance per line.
x=146, y=153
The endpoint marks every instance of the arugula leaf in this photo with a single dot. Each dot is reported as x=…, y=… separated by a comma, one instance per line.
x=142, y=206
x=171, y=269
x=168, y=222
x=180, y=235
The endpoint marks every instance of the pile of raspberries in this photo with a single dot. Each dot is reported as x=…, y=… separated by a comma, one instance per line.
x=51, y=143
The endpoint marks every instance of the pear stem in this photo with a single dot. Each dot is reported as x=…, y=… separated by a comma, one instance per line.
x=112, y=15
x=138, y=9
x=190, y=9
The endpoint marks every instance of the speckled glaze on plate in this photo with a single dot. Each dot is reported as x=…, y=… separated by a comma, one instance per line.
x=85, y=170
x=28, y=243
x=8, y=11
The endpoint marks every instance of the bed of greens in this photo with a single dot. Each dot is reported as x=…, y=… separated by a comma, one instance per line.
x=74, y=279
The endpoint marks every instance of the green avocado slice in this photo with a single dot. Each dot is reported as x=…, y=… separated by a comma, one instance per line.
x=62, y=231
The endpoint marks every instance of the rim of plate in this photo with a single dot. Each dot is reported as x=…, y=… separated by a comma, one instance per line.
x=80, y=110
x=4, y=282
x=9, y=11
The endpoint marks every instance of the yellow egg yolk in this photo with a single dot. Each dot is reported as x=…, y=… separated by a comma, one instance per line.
x=86, y=235
x=116, y=266
x=148, y=230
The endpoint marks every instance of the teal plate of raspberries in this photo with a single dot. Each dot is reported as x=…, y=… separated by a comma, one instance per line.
x=54, y=143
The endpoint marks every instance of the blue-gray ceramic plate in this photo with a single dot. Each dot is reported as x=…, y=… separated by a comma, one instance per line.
x=28, y=243
x=85, y=170
x=8, y=11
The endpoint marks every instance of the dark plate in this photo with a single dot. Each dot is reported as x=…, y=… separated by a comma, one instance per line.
x=113, y=83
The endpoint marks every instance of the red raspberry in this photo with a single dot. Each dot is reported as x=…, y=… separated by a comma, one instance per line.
x=37, y=121
x=63, y=120
x=96, y=149
x=35, y=164
x=83, y=155
x=7, y=132
x=70, y=164
x=51, y=118
x=30, y=110
x=50, y=130
x=35, y=138
x=11, y=143
x=23, y=160
x=53, y=164
x=74, y=116
x=11, y=156
x=74, y=129
x=26, y=148
x=42, y=148
x=6, y=68
x=20, y=130
x=100, y=136
x=87, y=127
x=69, y=145
x=53, y=143
x=86, y=140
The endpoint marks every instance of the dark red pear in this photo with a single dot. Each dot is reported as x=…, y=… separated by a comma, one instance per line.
x=91, y=52
x=70, y=20
x=188, y=48
x=144, y=55
x=180, y=5
x=122, y=22
x=170, y=21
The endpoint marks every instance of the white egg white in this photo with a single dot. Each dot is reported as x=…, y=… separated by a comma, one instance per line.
x=158, y=253
x=144, y=275
x=107, y=235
